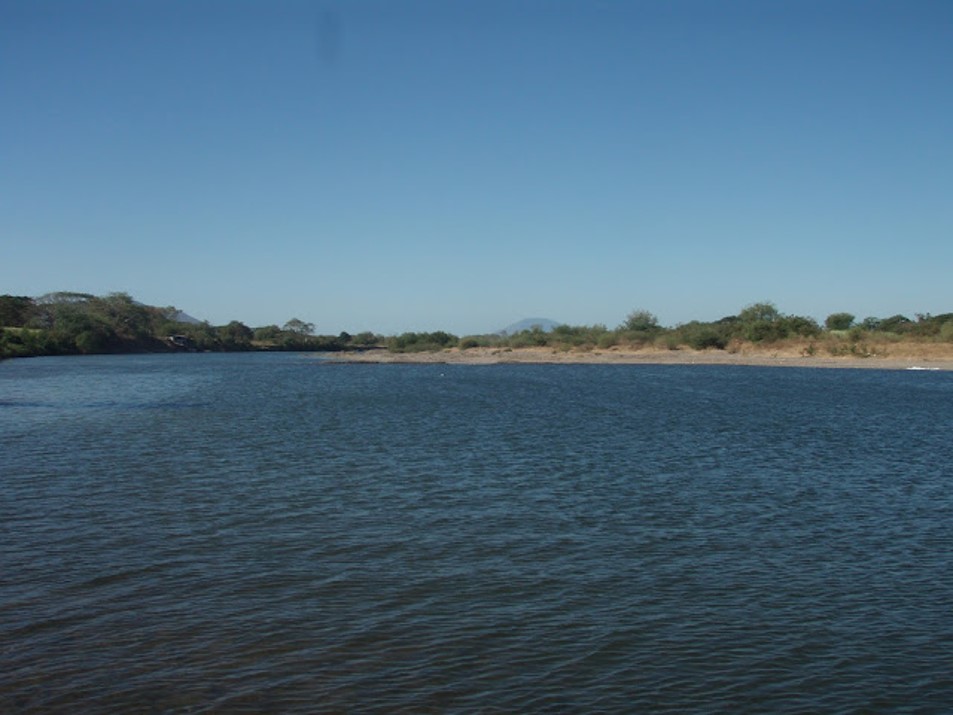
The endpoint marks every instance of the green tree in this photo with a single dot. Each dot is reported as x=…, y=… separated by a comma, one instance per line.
x=758, y=322
x=702, y=336
x=765, y=312
x=77, y=328
x=95, y=340
x=641, y=321
x=896, y=324
x=203, y=335
x=839, y=321
x=15, y=311
x=929, y=325
x=130, y=321
x=267, y=332
x=298, y=327
x=235, y=336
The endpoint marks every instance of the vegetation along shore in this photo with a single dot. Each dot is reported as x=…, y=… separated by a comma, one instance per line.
x=77, y=323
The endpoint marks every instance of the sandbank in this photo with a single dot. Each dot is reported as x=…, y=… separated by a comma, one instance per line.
x=924, y=359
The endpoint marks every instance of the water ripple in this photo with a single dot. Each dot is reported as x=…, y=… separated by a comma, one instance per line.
x=503, y=539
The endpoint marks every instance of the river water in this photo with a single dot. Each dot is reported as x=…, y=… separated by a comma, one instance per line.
x=276, y=533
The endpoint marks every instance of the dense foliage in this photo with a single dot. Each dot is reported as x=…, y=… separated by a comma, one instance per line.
x=79, y=323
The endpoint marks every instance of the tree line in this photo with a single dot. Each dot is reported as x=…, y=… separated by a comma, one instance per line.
x=758, y=323
x=67, y=323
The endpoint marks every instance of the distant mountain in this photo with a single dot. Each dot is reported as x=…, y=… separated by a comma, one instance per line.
x=544, y=324
x=178, y=316
x=181, y=317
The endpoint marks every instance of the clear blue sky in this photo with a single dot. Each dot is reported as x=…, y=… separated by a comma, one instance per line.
x=394, y=166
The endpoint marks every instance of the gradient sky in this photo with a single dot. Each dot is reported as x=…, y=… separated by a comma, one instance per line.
x=394, y=166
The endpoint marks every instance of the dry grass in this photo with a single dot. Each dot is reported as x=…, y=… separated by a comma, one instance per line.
x=822, y=352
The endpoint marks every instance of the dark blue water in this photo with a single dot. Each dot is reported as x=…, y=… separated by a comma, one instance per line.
x=271, y=533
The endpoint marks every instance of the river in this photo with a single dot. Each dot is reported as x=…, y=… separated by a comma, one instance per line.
x=206, y=533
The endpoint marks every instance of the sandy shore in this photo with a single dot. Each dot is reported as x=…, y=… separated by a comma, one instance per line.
x=623, y=356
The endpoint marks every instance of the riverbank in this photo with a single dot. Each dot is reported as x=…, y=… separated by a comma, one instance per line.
x=926, y=356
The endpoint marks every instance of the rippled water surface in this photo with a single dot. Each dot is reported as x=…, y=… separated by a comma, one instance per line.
x=273, y=533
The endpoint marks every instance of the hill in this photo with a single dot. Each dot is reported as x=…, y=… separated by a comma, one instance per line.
x=544, y=324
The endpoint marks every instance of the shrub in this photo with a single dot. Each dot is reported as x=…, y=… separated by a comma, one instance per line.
x=608, y=340
x=535, y=338
x=800, y=326
x=856, y=334
x=641, y=321
x=669, y=341
x=421, y=342
x=365, y=339
x=896, y=324
x=706, y=338
x=702, y=336
x=839, y=321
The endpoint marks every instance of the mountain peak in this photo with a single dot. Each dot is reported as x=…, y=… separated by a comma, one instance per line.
x=544, y=324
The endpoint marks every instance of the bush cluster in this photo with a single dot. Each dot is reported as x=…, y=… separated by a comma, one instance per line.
x=759, y=323
x=421, y=342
